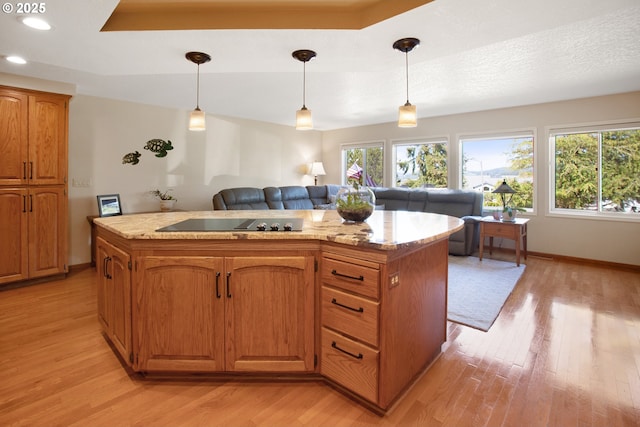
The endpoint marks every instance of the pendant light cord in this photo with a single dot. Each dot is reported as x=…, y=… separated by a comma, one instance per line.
x=198, y=89
x=304, y=84
x=406, y=67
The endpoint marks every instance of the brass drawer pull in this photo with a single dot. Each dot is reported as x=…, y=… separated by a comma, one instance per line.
x=357, y=310
x=355, y=356
x=335, y=273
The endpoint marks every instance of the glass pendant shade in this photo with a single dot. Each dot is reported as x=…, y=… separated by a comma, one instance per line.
x=407, y=116
x=303, y=119
x=197, y=120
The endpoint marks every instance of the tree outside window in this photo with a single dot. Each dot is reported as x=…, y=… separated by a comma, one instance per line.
x=370, y=158
x=421, y=165
x=487, y=161
x=597, y=171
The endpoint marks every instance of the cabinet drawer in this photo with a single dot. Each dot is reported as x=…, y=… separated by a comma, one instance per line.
x=350, y=314
x=353, y=365
x=501, y=230
x=351, y=277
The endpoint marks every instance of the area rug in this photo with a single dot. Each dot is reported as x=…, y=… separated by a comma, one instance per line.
x=479, y=289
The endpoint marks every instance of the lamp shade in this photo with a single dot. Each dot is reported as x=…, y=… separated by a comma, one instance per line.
x=197, y=120
x=504, y=188
x=303, y=119
x=407, y=116
x=317, y=168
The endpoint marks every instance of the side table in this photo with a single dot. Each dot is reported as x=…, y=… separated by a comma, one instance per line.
x=515, y=230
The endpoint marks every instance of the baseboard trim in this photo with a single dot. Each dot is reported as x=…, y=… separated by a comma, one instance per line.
x=571, y=259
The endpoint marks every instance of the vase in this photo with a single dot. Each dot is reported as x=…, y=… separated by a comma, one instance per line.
x=167, y=205
x=355, y=204
x=509, y=215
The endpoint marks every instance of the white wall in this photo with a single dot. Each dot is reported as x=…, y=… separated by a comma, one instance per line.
x=235, y=152
x=612, y=241
x=231, y=153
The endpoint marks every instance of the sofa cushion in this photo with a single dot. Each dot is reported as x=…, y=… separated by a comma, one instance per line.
x=291, y=197
x=400, y=198
x=244, y=198
x=457, y=203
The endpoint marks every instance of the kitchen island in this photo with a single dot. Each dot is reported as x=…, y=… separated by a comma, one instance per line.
x=363, y=306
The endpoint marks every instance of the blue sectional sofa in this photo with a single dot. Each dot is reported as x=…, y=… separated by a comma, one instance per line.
x=463, y=204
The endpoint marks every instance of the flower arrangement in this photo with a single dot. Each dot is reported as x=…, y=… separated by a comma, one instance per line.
x=162, y=195
x=355, y=203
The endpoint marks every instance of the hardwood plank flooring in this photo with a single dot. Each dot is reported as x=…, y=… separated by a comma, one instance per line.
x=565, y=351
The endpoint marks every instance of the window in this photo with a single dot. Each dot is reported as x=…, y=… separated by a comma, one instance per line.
x=370, y=157
x=488, y=160
x=596, y=171
x=421, y=164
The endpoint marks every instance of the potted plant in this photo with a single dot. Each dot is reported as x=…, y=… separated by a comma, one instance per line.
x=167, y=201
x=509, y=213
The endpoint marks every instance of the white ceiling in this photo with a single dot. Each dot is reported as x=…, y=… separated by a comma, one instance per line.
x=474, y=55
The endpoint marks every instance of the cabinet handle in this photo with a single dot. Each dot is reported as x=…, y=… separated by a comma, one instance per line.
x=106, y=267
x=24, y=170
x=30, y=202
x=218, y=285
x=355, y=356
x=30, y=170
x=24, y=203
x=228, y=285
x=358, y=310
x=335, y=273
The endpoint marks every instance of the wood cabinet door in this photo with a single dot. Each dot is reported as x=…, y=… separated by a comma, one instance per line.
x=14, y=263
x=14, y=133
x=119, y=294
x=103, y=255
x=114, y=295
x=270, y=314
x=48, y=125
x=47, y=213
x=178, y=314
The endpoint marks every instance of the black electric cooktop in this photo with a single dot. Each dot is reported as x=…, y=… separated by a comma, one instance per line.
x=236, y=224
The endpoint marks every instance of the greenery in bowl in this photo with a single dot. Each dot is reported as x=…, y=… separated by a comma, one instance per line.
x=162, y=195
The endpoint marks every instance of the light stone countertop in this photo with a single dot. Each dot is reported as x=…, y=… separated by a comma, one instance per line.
x=384, y=230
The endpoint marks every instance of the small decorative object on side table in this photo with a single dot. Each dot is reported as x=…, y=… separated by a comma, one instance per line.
x=515, y=230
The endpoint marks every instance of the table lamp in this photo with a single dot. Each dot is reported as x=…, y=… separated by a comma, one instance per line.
x=504, y=189
x=316, y=168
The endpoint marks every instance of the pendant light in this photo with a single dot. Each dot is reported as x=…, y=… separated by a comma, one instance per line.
x=407, y=115
x=303, y=115
x=196, y=119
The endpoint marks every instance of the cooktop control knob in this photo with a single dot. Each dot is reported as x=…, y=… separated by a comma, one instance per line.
x=275, y=226
x=262, y=226
x=288, y=227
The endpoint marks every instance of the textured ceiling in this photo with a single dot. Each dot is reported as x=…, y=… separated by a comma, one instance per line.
x=474, y=55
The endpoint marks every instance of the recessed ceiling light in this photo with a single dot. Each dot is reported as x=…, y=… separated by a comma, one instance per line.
x=37, y=23
x=16, y=60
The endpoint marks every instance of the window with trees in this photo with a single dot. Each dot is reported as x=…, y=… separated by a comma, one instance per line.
x=369, y=157
x=596, y=171
x=487, y=161
x=421, y=164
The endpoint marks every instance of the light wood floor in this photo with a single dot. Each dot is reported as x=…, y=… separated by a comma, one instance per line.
x=565, y=351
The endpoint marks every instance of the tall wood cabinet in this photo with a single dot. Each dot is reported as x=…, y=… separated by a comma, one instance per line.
x=33, y=184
